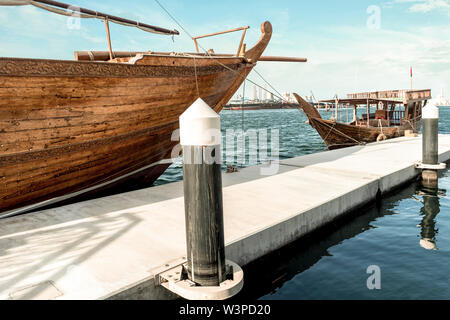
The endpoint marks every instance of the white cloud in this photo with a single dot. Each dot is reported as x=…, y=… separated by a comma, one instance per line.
x=341, y=59
x=429, y=5
x=422, y=5
x=347, y=59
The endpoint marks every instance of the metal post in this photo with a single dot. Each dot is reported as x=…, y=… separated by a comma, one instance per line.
x=347, y=106
x=368, y=113
x=336, y=106
x=430, y=116
x=202, y=179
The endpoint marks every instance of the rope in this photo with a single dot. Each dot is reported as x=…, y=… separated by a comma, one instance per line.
x=196, y=78
x=332, y=128
x=208, y=54
x=267, y=82
x=243, y=101
x=179, y=24
x=359, y=142
x=414, y=120
x=278, y=95
x=380, y=125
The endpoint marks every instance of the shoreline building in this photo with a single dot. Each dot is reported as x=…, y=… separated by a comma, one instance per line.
x=441, y=101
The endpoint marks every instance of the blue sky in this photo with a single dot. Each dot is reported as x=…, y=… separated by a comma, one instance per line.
x=351, y=45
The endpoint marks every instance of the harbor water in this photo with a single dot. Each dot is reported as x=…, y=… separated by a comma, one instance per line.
x=405, y=238
x=296, y=136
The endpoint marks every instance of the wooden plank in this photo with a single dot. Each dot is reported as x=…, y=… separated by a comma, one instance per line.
x=70, y=125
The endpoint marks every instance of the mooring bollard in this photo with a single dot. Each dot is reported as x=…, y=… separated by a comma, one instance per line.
x=202, y=180
x=430, y=116
x=204, y=274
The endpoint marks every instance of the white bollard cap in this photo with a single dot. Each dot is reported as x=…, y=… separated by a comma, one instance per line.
x=200, y=125
x=427, y=244
x=430, y=111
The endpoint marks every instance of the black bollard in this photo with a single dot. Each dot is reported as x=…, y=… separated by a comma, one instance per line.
x=202, y=180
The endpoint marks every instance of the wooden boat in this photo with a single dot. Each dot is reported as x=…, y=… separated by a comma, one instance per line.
x=72, y=127
x=385, y=123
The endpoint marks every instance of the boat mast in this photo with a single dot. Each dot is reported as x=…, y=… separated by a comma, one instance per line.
x=111, y=56
x=368, y=111
x=79, y=12
x=336, y=106
x=410, y=78
x=68, y=9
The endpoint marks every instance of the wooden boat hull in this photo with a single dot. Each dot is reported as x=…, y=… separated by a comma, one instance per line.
x=338, y=135
x=69, y=127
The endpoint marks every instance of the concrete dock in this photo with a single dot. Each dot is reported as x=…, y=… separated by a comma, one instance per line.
x=111, y=248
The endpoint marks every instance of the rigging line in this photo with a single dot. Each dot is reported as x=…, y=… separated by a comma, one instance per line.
x=168, y=13
x=267, y=82
x=243, y=101
x=380, y=125
x=278, y=95
x=208, y=54
x=196, y=78
x=337, y=130
x=325, y=139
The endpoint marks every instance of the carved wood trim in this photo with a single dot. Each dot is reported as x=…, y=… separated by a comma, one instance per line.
x=58, y=68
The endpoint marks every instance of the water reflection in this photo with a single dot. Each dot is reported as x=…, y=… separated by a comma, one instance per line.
x=429, y=211
x=269, y=273
x=326, y=265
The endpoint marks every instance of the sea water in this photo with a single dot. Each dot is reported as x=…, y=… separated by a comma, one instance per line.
x=397, y=249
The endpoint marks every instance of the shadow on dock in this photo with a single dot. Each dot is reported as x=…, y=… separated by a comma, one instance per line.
x=49, y=254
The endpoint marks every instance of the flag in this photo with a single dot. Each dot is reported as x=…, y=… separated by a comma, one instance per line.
x=410, y=71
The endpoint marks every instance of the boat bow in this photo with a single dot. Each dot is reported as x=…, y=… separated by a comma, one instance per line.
x=309, y=110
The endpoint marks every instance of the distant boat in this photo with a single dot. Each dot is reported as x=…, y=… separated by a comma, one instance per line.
x=385, y=123
x=71, y=127
x=263, y=105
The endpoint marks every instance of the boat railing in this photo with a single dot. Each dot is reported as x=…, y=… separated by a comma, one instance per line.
x=406, y=95
x=396, y=117
x=387, y=94
x=418, y=94
x=364, y=116
x=241, y=43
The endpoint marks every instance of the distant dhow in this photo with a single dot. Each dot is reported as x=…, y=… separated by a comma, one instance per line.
x=385, y=123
